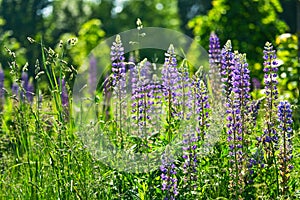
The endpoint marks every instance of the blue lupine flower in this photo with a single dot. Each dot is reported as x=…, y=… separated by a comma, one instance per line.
x=237, y=108
x=285, y=131
x=227, y=65
x=28, y=88
x=270, y=80
x=30, y=91
x=15, y=89
x=215, y=64
x=170, y=81
x=142, y=95
x=168, y=176
x=64, y=94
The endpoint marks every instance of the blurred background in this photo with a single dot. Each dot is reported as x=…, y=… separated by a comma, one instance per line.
x=248, y=23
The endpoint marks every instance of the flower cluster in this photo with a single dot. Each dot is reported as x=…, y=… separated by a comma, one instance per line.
x=285, y=130
x=185, y=92
x=202, y=107
x=142, y=95
x=119, y=85
x=227, y=65
x=270, y=136
x=28, y=88
x=117, y=59
x=237, y=108
x=215, y=62
x=168, y=176
x=170, y=80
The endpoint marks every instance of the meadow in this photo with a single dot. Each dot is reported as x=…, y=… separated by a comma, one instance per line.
x=168, y=132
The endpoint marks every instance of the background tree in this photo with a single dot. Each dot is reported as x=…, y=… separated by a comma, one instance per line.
x=249, y=24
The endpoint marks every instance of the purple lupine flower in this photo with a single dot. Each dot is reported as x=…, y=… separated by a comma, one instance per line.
x=256, y=83
x=285, y=131
x=15, y=89
x=64, y=94
x=142, y=96
x=27, y=88
x=190, y=164
x=253, y=111
x=168, y=176
x=170, y=81
x=237, y=108
x=241, y=89
x=24, y=84
x=214, y=50
x=119, y=85
x=64, y=98
x=1, y=87
x=30, y=91
x=186, y=92
x=227, y=65
x=270, y=136
x=132, y=69
x=215, y=64
x=117, y=59
x=235, y=140
x=92, y=75
x=201, y=106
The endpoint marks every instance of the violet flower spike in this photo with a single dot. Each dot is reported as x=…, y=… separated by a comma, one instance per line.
x=168, y=176
x=270, y=135
x=285, y=154
x=170, y=81
x=227, y=65
x=64, y=94
x=215, y=64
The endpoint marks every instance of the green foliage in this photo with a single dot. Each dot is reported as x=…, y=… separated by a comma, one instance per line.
x=289, y=71
x=247, y=23
x=8, y=41
x=89, y=36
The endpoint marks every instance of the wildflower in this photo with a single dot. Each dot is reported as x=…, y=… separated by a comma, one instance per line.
x=190, y=164
x=285, y=154
x=256, y=83
x=201, y=106
x=30, y=91
x=142, y=95
x=170, y=87
x=215, y=62
x=64, y=98
x=64, y=94
x=168, y=176
x=170, y=81
x=119, y=85
x=117, y=58
x=15, y=89
x=227, y=65
x=28, y=88
x=185, y=92
x=270, y=136
x=237, y=108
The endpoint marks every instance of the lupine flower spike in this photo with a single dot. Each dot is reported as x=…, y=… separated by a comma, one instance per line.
x=119, y=84
x=285, y=149
x=215, y=64
x=168, y=175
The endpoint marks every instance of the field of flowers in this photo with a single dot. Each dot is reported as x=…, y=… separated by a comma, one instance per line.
x=196, y=134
